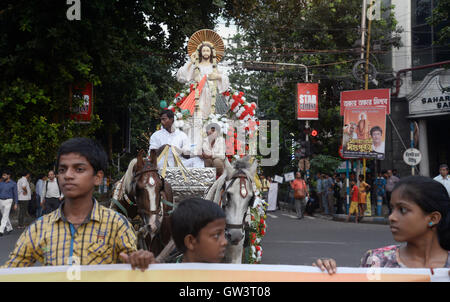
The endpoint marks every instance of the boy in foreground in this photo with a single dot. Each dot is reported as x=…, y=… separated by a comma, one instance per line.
x=80, y=231
x=198, y=230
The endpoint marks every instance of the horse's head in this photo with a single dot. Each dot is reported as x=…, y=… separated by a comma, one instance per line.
x=237, y=197
x=145, y=187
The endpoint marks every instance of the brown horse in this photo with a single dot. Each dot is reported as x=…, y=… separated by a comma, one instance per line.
x=147, y=201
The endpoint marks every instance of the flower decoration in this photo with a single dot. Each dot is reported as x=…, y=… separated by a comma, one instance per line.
x=240, y=110
x=257, y=228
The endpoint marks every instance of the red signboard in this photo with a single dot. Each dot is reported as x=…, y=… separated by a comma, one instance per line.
x=366, y=99
x=82, y=94
x=307, y=101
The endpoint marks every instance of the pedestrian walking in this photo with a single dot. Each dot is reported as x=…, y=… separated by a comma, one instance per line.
x=343, y=193
x=80, y=231
x=8, y=197
x=331, y=200
x=319, y=191
x=420, y=217
x=380, y=187
x=51, y=194
x=327, y=183
x=390, y=183
x=300, y=189
x=272, y=197
x=339, y=194
x=363, y=188
x=39, y=190
x=24, y=195
x=443, y=177
x=33, y=202
x=354, y=208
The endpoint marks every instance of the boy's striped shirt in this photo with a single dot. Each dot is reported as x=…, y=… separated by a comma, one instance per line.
x=52, y=240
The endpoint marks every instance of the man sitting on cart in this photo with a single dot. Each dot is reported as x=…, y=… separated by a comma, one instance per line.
x=169, y=136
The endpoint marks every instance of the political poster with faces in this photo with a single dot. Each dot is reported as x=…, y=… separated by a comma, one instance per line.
x=364, y=133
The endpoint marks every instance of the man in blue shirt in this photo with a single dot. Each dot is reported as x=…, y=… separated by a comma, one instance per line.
x=319, y=191
x=8, y=195
x=327, y=183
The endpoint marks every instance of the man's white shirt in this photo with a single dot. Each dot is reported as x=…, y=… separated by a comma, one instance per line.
x=218, y=150
x=175, y=138
x=444, y=181
x=379, y=149
x=51, y=189
x=21, y=183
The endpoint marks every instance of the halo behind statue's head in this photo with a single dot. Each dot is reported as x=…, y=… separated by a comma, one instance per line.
x=210, y=36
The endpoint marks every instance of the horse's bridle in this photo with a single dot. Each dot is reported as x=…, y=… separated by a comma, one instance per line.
x=242, y=191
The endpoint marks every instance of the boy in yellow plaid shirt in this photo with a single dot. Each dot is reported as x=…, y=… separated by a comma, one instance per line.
x=80, y=231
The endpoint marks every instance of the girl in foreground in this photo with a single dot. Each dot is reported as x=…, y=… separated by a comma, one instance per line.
x=420, y=217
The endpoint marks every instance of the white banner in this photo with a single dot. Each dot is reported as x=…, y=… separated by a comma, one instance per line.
x=199, y=272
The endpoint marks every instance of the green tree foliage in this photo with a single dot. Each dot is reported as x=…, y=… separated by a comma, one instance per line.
x=324, y=164
x=323, y=35
x=125, y=48
x=440, y=20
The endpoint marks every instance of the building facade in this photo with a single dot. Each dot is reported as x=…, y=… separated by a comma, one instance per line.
x=420, y=98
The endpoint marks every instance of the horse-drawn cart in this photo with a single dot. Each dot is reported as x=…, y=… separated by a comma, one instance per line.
x=197, y=182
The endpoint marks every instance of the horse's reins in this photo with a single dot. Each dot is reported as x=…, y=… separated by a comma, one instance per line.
x=148, y=168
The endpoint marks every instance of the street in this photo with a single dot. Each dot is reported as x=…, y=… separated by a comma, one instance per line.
x=300, y=242
x=297, y=242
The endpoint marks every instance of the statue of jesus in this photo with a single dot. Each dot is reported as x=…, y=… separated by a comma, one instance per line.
x=205, y=48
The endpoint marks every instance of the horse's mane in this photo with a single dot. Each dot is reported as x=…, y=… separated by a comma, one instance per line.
x=214, y=191
x=125, y=181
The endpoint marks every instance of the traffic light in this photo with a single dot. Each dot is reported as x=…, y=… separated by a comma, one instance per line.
x=314, y=132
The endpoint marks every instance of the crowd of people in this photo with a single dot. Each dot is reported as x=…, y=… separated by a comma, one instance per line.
x=30, y=197
x=327, y=194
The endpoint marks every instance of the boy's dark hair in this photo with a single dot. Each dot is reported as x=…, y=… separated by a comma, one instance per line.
x=430, y=195
x=167, y=112
x=190, y=216
x=90, y=149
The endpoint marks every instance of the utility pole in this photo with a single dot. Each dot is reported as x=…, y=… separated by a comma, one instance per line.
x=366, y=84
x=363, y=27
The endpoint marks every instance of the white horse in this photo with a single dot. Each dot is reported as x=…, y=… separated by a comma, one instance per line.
x=234, y=191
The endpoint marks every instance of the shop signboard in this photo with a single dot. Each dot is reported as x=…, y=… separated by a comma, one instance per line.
x=82, y=96
x=307, y=101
